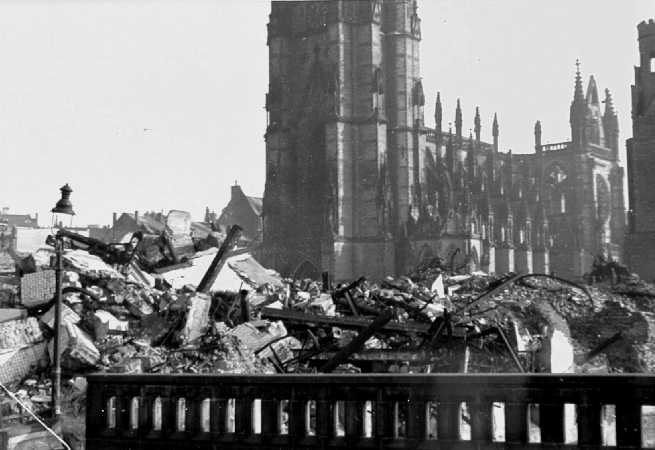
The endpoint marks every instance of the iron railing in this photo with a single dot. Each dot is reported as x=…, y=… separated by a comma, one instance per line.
x=404, y=411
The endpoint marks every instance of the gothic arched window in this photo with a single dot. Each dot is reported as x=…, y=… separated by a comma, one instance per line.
x=603, y=199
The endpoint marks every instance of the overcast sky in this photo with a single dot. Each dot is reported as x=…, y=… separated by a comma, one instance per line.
x=158, y=105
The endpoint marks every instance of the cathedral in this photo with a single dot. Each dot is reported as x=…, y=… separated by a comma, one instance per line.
x=358, y=184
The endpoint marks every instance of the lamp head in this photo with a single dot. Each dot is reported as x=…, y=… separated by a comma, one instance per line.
x=64, y=205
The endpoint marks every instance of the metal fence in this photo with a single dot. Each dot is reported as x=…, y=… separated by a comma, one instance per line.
x=404, y=411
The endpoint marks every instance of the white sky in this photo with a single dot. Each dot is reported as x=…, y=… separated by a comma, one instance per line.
x=158, y=105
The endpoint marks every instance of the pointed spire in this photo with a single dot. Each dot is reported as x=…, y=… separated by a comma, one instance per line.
x=509, y=174
x=578, y=93
x=458, y=122
x=478, y=124
x=592, y=92
x=611, y=125
x=470, y=159
x=578, y=111
x=537, y=136
x=438, y=117
x=609, y=104
x=450, y=157
x=495, y=131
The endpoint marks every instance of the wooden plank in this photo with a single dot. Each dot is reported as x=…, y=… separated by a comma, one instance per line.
x=358, y=341
x=219, y=260
x=289, y=317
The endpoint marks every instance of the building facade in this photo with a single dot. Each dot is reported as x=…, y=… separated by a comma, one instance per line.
x=244, y=211
x=640, y=248
x=357, y=184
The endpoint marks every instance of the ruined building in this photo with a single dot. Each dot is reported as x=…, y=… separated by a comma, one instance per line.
x=357, y=184
x=640, y=246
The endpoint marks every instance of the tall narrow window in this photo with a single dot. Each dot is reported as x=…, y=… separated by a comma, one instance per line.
x=652, y=64
x=562, y=203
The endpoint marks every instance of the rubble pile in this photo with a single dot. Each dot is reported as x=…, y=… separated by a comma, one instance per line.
x=174, y=304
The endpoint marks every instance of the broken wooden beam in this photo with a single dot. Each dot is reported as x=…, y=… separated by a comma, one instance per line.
x=289, y=317
x=219, y=260
x=349, y=287
x=358, y=342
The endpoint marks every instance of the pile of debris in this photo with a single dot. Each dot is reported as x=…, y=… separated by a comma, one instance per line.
x=172, y=304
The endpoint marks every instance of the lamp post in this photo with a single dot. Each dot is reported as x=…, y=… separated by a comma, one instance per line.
x=63, y=206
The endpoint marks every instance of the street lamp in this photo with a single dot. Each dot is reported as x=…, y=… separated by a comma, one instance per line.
x=63, y=206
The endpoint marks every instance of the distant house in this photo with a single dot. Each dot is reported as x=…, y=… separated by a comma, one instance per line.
x=8, y=225
x=243, y=211
x=19, y=220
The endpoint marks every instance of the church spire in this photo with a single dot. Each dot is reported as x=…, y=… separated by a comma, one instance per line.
x=458, y=122
x=609, y=104
x=578, y=110
x=592, y=92
x=471, y=160
x=578, y=94
x=537, y=136
x=438, y=118
x=611, y=125
x=477, y=124
x=450, y=156
x=494, y=131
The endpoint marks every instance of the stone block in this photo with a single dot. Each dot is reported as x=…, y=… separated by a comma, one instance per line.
x=37, y=288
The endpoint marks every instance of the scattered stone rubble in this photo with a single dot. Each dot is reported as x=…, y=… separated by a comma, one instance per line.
x=146, y=317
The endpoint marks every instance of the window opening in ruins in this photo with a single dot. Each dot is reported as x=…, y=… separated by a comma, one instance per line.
x=652, y=64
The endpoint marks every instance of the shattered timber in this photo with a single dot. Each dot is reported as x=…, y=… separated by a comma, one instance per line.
x=218, y=311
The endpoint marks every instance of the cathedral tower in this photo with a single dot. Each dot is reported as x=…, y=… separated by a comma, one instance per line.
x=344, y=137
x=641, y=159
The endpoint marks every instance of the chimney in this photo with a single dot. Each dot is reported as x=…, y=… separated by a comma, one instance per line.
x=36, y=219
x=236, y=190
x=136, y=216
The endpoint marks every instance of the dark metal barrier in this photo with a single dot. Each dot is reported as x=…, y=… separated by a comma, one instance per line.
x=367, y=411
